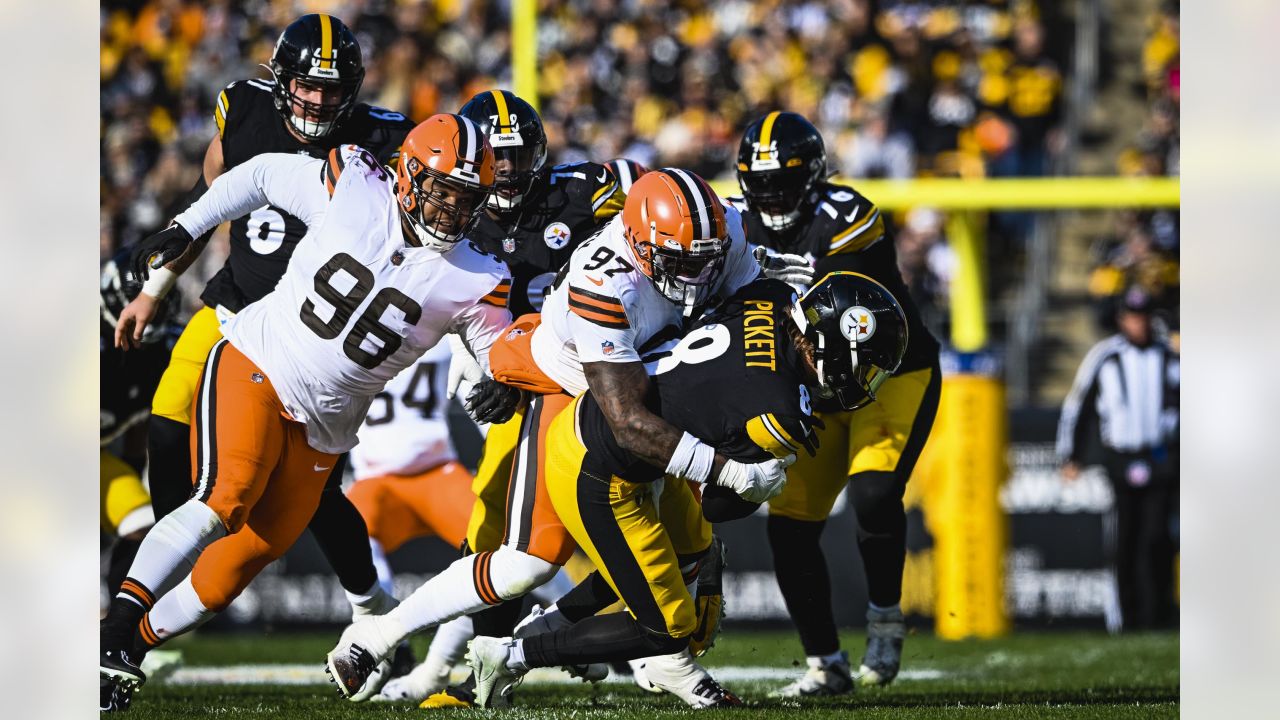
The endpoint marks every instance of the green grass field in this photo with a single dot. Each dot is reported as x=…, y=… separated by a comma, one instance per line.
x=1041, y=675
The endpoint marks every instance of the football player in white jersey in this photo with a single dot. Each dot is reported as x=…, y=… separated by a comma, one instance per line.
x=381, y=276
x=673, y=251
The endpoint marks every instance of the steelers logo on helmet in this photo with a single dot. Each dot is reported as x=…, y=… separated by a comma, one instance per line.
x=858, y=324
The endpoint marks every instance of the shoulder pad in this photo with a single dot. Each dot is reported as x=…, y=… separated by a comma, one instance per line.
x=236, y=97
x=854, y=220
x=347, y=157
x=737, y=202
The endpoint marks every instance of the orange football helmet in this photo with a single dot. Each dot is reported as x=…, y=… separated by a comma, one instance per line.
x=445, y=175
x=676, y=227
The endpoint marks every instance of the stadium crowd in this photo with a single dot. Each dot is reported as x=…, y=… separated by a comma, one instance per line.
x=1143, y=250
x=899, y=88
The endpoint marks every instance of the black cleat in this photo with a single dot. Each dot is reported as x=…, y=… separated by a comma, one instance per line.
x=402, y=662
x=118, y=677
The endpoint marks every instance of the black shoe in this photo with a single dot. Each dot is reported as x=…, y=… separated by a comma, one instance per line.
x=712, y=694
x=402, y=662
x=453, y=696
x=118, y=677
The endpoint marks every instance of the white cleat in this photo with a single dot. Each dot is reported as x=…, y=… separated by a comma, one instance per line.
x=359, y=665
x=679, y=675
x=487, y=657
x=641, y=676
x=160, y=664
x=820, y=680
x=539, y=621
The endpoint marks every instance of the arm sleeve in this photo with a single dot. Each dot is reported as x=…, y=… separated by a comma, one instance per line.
x=479, y=327
x=1080, y=401
x=292, y=183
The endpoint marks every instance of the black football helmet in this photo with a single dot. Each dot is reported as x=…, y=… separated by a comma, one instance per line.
x=316, y=51
x=626, y=171
x=519, y=143
x=780, y=158
x=114, y=293
x=859, y=335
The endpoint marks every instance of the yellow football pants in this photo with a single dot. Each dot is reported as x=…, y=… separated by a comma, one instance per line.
x=122, y=495
x=493, y=476
x=178, y=384
x=876, y=438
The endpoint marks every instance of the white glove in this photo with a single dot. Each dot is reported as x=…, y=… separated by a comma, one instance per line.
x=756, y=482
x=793, y=270
x=464, y=371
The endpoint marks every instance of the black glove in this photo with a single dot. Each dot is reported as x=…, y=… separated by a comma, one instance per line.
x=156, y=251
x=492, y=402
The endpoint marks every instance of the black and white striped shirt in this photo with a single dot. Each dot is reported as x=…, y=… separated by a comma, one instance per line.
x=1132, y=391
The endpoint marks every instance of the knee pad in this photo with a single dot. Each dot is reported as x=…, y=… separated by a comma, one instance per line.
x=877, y=502
x=514, y=573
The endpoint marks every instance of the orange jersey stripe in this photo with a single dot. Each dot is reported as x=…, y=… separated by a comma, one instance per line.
x=600, y=302
x=600, y=318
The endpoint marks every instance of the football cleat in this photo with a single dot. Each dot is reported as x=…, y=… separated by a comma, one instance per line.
x=539, y=621
x=886, y=629
x=710, y=601
x=487, y=657
x=160, y=664
x=357, y=665
x=421, y=682
x=118, y=677
x=641, y=676
x=820, y=680
x=591, y=672
x=402, y=661
x=679, y=675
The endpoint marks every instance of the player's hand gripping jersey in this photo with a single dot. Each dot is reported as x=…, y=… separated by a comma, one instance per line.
x=604, y=309
x=357, y=305
x=263, y=239
x=736, y=381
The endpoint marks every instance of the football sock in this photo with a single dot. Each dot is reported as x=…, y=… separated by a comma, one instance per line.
x=177, y=612
x=602, y=638
x=515, y=657
x=170, y=550
x=122, y=554
x=882, y=533
x=343, y=537
x=169, y=464
x=587, y=598
x=448, y=647
x=385, y=577
x=801, y=569
x=373, y=601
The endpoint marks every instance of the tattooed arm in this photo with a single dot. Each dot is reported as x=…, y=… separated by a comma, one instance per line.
x=619, y=389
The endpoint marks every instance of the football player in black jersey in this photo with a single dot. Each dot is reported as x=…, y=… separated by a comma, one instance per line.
x=534, y=220
x=789, y=206
x=308, y=107
x=126, y=382
x=741, y=378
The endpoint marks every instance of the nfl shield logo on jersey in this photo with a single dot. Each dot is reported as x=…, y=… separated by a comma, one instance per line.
x=606, y=347
x=556, y=235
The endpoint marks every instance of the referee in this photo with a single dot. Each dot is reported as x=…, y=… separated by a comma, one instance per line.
x=1125, y=395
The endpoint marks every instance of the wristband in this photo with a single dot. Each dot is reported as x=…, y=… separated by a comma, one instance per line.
x=692, y=460
x=159, y=282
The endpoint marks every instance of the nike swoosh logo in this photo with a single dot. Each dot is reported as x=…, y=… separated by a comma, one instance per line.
x=597, y=283
x=851, y=216
x=604, y=174
x=317, y=468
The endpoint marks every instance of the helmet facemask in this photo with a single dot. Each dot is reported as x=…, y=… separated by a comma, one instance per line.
x=310, y=119
x=777, y=196
x=455, y=205
x=685, y=276
x=515, y=169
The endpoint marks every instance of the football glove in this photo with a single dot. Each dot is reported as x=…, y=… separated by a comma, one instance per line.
x=492, y=402
x=756, y=482
x=793, y=270
x=464, y=371
x=156, y=251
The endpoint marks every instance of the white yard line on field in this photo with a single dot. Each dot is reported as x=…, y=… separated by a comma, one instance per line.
x=313, y=674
